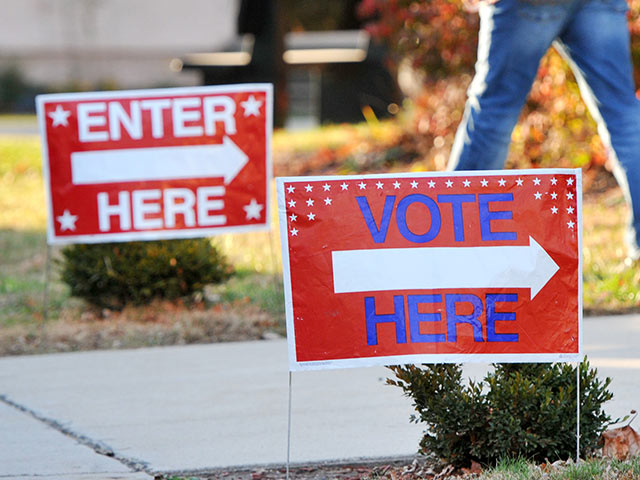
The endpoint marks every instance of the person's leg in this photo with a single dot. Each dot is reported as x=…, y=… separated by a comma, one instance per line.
x=596, y=42
x=513, y=37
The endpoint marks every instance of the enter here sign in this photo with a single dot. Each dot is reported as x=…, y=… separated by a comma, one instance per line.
x=438, y=267
x=154, y=164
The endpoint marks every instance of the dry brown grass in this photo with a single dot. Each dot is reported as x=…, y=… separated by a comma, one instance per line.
x=161, y=323
x=609, y=286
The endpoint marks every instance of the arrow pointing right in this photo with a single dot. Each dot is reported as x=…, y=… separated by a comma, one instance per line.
x=430, y=268
x=158, y=163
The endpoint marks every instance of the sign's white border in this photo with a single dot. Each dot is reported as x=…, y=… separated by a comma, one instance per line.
x=294, y=365
x=53, y=239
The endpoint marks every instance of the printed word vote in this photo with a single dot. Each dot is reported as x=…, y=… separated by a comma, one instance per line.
x=379, y=230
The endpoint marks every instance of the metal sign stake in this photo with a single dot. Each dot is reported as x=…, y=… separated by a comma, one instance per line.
x=578, y=412
x=277, y=286
x=45, y=299
x=289, y=430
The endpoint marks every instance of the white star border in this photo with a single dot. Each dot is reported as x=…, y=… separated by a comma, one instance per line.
x=547, y=184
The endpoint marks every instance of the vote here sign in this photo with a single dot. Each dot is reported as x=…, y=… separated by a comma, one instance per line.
x=438, y=267
x=155, y=164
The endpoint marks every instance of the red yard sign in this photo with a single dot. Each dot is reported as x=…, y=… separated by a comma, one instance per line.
x=154, y=164
x=438, y=267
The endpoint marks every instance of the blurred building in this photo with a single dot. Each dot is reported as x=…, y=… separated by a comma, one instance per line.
x=324, y=71
x=124, y=43
x=322, y=75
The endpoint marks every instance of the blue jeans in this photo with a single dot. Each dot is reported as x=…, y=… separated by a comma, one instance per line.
x=593, y=36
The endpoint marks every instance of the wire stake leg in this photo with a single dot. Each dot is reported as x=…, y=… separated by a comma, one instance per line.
x=289, y=430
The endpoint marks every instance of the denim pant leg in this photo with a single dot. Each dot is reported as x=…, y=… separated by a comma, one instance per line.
x=597, y=43
x=513, y=37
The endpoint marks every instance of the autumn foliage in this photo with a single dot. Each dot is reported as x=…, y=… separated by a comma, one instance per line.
x=438, y=38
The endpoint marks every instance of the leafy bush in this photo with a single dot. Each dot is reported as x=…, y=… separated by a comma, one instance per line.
x=112, y=275
x=518, y=410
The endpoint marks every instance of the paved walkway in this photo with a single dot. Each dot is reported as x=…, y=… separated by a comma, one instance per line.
x=133, y=413
x=18, y=125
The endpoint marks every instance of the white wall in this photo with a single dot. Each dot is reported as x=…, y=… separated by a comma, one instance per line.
x=128, y=42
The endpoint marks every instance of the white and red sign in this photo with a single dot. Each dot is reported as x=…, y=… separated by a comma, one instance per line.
x=156, y=164
x=431, y=268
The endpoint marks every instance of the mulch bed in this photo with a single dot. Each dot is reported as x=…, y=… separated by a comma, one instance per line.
x=421, y=468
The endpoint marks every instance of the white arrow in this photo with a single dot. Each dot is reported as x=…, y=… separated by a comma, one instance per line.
x=158, y=163
x=438, y=268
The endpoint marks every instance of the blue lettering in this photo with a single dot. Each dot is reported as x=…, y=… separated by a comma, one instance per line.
x=456, y=202
x=453, y=319
x=380, y=230
x=374, y=319
x=487, y=216
x=493, y=317
x=378, y=235
x=401, y=218
x=416, y=317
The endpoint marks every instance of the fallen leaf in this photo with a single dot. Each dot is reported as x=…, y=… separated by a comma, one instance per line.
x=475, y=467
x=621, y=443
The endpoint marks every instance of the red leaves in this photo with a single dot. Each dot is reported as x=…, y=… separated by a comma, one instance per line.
x=437, y=35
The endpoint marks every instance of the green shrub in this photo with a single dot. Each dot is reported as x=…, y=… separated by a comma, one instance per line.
x=112, y=275
x=517, y=411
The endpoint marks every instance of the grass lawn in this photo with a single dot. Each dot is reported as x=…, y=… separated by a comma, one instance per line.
x=608, y=286
x=592, y=469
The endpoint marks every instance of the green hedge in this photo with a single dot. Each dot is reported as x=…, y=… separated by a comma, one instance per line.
x=517, y=411
x=112, y=275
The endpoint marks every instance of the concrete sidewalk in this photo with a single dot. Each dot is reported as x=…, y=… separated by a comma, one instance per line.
x=19, y=125
x=133, y=413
